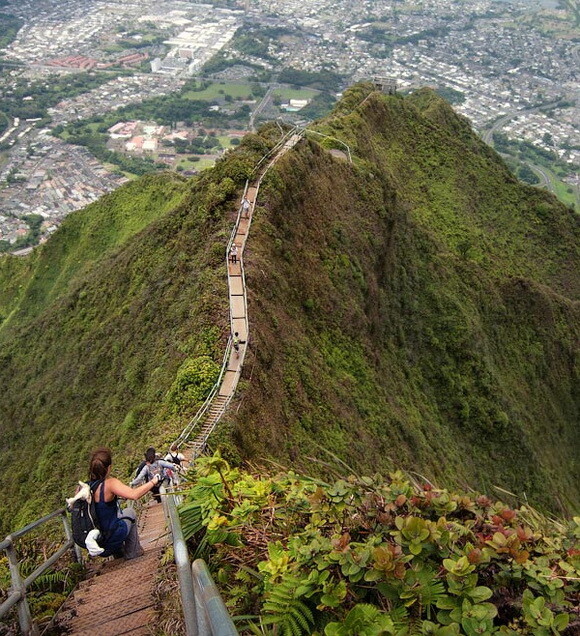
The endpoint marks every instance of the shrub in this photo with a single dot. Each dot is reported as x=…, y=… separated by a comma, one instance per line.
x=370, y=556
x=195, y=379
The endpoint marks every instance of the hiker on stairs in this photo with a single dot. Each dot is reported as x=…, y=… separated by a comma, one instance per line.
x=118, y=527
x=154, y=467
x=174, y=456
x=177, y=458
x=246, y=205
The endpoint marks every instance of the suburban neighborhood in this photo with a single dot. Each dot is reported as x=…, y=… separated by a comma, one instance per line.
x=510, y=67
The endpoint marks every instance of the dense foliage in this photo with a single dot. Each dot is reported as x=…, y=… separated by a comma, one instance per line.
x=319, y=106
x=322, y=80
x=366, y=556
x=9, y=27
x=416, y=308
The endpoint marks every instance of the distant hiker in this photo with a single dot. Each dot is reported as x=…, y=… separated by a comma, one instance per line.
x=174, y=456
x=153, y=467
x=236, y=342
x=118, y=528
x=178, y=459
x=234, y=253
x=246, y=207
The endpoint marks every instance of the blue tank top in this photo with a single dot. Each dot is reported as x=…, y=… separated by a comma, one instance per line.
x=114, y=531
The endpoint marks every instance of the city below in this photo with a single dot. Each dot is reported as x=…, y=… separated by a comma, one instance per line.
x=96, y=92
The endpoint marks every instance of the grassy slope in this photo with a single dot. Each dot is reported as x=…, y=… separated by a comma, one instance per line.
x=29, y=285
x=417, y=308
x=101, y=326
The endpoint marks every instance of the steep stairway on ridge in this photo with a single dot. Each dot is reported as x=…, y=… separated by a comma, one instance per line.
x=119, y=598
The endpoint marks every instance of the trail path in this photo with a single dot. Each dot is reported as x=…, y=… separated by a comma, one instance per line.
x=210, y=415
x=119, y=598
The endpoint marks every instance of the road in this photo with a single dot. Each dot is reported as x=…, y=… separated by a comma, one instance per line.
x=545, y=181
x=487, y=135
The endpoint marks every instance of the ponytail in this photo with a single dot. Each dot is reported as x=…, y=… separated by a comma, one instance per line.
x=99, y=464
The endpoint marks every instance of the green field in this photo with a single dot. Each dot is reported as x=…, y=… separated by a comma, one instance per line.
x=225, y=141
x=568, y=194
x=204, y=162
x=562, y=190
x=187, y=164
x=294, y=93
x=219, y=89
x=113, y=168
x=92, y=127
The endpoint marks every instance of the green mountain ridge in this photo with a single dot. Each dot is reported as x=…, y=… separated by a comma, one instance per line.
x=417, y=308
x=405, y=347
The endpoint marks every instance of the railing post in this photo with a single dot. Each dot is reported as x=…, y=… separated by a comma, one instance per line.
x=69, y=537
x=27, y=627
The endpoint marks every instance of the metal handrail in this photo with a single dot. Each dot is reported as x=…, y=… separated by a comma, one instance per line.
x=315, y=132
x=204, y=611
x=18, y=585
x=217, y=616
x=187, y=430
x=275, y=148
x=237, y=223
x=181, y=557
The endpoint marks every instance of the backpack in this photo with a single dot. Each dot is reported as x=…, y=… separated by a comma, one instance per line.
x=175, y=458
x=156, y=469
x=84, y=516
x=140, y=468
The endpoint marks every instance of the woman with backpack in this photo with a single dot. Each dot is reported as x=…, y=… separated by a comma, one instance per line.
x=118, y=527
x=174, y=456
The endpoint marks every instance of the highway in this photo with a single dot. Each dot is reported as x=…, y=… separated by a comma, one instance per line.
x=487, y=135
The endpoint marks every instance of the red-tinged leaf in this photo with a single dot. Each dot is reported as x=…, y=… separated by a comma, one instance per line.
x=475, y=556
x=508, y=514
x=400, y=501
x=522, y=556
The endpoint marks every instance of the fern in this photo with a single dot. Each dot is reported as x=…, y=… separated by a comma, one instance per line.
x=399, y=616
x=291, y=615
x=424, y=592
x=50, y=580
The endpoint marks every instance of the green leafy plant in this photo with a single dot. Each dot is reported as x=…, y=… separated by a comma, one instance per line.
x=330, y=558
x=194, y=381
x=363, y=620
